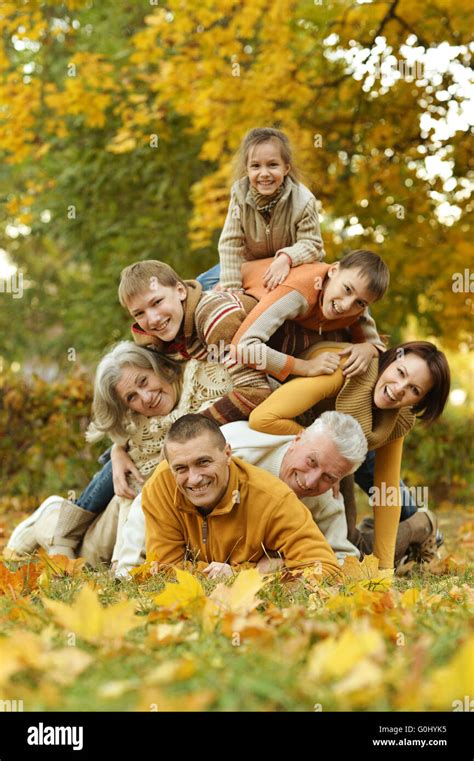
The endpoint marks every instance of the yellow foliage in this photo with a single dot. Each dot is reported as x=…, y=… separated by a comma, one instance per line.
x=454, y=680
x=89, y=620
x=186, y=593
x=335, y=658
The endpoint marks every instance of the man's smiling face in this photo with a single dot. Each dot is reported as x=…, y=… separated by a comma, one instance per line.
x=200, y=468
x=159, y=311
x=311, y=466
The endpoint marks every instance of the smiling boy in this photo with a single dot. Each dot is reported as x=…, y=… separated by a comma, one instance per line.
x=174, y=317
x=319, y=298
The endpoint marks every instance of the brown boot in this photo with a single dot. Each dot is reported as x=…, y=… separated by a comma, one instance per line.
x=72, y=524
x=427, y=549
x=416, y=541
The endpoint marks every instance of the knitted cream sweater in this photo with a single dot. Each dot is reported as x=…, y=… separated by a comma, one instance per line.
x=203, y=383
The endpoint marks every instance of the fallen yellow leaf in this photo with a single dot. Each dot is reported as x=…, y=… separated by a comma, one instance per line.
x=61, y=565
x=89, y=620
x=183, y=594
x=357, y=570
x=336, y=658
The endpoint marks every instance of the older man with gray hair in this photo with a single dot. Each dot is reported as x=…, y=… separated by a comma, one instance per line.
x=311, y=464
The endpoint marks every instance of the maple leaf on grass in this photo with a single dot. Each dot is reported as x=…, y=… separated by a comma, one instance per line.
x=23, y=650
x=337, y=658
x=366, y=572
x=89, y=620
x=61, y=565
x=21, y=581
x=186, y=593
x=143, y=572
x=167, y=634
x=238, y=599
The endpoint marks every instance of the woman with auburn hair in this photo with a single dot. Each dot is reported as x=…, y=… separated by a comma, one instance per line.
x=406, y=382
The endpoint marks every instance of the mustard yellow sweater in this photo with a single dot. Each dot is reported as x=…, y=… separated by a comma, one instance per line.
x=258, y=514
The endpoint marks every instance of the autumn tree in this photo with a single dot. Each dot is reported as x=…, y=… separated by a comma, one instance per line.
x=120, y=121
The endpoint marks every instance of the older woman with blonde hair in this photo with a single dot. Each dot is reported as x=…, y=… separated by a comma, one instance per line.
x=138, y=395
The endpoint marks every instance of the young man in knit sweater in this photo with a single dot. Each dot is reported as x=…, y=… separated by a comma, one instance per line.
x=174, y=317
x=319, y=299
x=204, y=504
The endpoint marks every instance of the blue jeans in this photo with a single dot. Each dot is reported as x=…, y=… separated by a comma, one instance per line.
x=210, y=278
x=97, y=495
x=364, y=477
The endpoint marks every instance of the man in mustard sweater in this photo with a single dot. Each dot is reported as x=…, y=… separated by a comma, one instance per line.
x=203, y=504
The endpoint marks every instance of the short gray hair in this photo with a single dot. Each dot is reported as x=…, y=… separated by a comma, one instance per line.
x=111, y=415
x=346, y=433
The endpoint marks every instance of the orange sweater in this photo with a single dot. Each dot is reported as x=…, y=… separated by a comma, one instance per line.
x=298, y=300
x=257, y=514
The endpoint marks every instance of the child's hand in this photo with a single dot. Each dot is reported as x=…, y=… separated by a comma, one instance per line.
x=277, y=272
x=325, y=363
x=360, y=357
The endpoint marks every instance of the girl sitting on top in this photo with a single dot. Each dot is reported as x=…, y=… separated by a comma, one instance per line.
x=270, y=213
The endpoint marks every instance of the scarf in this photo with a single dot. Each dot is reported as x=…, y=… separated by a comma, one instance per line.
x=264, y=203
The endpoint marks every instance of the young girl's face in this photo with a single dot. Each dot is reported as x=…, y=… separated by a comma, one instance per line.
x=265, y=167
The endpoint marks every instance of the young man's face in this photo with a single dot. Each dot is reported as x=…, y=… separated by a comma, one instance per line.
x=200, y=468
x=312, y=466
x=159, y=311
x=346, y=293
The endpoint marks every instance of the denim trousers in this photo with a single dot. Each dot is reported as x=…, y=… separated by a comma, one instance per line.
x=210, y=278
x=364, y=477
x=97, y=495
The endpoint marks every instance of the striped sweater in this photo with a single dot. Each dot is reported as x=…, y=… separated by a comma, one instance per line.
x=296, y=300
x=209, y=322
x=293, y=228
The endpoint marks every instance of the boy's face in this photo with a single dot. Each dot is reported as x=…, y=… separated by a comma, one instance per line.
x=346, y=293
x=159, y=311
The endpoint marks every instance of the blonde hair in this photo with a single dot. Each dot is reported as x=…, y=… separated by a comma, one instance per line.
x=111, y=416
x=264, y=135
x=143, y=276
